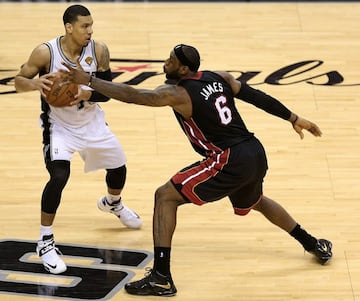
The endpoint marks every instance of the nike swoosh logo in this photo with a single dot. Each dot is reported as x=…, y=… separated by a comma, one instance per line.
x=166, y=286
x=51, y=266
x=325, y=247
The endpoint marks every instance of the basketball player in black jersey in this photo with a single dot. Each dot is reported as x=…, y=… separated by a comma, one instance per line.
x=234, y=162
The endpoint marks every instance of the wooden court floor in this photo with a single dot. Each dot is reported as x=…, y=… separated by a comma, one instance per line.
x=305, y=54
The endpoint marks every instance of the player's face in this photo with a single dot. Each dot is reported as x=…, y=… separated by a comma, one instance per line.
x=81, y=30
x=172, y=66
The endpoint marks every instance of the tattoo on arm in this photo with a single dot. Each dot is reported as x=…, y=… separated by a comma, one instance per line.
x=104, y=57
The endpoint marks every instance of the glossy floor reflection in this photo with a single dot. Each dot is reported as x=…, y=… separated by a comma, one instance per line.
x=92, y=274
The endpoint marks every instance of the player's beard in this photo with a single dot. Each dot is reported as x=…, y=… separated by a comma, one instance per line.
x=171, y=75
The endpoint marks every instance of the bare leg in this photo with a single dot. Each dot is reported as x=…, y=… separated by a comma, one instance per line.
x=114, y=191
x=276, y=214
x=167, y=199
x=47, y=219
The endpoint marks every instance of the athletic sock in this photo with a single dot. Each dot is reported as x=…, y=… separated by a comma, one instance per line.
x=45, y=231
x=111, y=198
x=162, y=260
x=308, y=241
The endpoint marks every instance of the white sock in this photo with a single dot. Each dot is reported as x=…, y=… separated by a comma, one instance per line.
x=111, y=198
x=45, y=230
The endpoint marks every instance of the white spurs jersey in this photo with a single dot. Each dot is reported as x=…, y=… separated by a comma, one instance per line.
x=84, y=112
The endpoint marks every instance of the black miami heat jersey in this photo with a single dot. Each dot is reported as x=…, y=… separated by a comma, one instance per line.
x=215, y=124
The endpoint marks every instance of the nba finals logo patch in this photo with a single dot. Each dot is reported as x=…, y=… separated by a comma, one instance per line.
x=89, y=60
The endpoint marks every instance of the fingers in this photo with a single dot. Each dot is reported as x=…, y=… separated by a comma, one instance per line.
x=303, y=124
x=315, y=131
x=77, y=61
x=67, y=66
x=298, y=129
x=45, y=82
x=75, y=102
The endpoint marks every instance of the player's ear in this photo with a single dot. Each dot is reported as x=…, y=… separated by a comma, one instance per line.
x=68, y=27
x=183, y=70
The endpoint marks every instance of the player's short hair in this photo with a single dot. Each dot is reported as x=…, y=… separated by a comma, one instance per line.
x=72, y=12
x=188, y=56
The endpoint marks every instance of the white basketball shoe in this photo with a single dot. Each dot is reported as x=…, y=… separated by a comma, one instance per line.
x=49, y=255
x=127, y=216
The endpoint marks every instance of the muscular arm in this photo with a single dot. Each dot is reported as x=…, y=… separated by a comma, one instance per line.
x=257, y=98
x=270, y=105
x=102, y=56
x=165, y=95
x=38, y=62
x=103, y=71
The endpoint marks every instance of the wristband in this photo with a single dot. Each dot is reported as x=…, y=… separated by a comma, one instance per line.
x=90, y=80
x=296, y=118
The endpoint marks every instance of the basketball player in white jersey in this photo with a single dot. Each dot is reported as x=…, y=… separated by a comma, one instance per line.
x=79, y=128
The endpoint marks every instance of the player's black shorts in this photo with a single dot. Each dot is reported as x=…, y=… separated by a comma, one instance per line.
x=237, y=173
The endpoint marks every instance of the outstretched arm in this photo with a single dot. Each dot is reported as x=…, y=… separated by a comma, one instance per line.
x=165, y=95
x=270, y=105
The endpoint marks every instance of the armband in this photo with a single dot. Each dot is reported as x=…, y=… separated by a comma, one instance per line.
x=296, y=118
x=96, y=96
x=89, y=83
x=263, y=101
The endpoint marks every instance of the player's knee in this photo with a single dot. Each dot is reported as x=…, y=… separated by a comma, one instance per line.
x=167, y=194
x=59, y=173
x=160, y=193
x=115, y=178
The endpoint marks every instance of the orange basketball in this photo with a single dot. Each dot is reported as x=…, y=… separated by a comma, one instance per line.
x=61, y=94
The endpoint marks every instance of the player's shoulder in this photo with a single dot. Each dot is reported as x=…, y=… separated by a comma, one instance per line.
x=225, y=75
x=42, y=48
x=41, y=53
x=171, y=90
x=100, y=45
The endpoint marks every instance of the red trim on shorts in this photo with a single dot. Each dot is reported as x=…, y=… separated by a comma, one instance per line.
x=242, y=211
x=207, y=169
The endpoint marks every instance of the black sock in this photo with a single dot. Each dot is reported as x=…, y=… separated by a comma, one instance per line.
x=162, y=260
x=308, y=241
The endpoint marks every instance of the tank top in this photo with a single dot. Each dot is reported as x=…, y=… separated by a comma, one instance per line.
x=215, y=124
x=84, y=112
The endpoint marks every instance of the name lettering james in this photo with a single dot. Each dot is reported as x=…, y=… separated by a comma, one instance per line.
x=211, y=88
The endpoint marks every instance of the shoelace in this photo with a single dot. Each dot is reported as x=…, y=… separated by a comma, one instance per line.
x=115, y=206
x=48, y=246
x=148, y=272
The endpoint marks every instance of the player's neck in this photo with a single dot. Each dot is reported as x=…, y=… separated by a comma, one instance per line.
x=70, y=49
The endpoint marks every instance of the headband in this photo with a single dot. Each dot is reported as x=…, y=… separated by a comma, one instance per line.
x=183, y=59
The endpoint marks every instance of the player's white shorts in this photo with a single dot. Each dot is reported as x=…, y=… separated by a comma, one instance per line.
x=95, y=142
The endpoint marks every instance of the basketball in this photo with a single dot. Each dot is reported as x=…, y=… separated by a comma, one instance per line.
x=60, y=95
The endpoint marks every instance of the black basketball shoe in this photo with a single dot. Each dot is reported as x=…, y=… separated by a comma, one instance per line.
x=153, y=284
x=322, y=250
